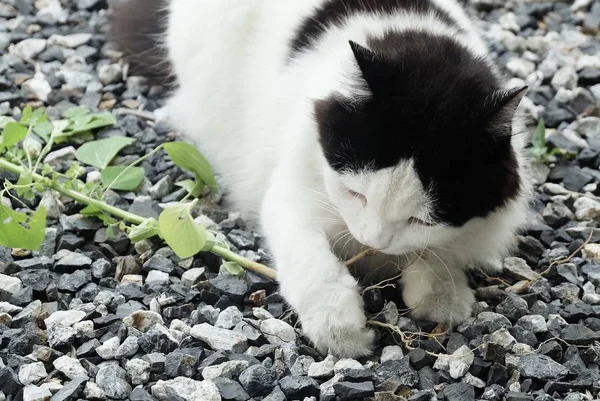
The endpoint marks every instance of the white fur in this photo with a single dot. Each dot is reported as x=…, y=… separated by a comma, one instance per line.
x=250, y=111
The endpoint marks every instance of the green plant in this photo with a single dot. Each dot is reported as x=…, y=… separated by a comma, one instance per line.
x=22, y=153
x=539, y=148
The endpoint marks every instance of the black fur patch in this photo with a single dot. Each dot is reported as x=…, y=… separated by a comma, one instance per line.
x=333, y=12
x=436, y=103
x=135, y=27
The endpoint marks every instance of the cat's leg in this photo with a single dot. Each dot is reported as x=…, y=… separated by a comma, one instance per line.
x=437, y=291
x=312, y=279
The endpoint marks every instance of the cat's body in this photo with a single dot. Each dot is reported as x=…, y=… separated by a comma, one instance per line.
x=314, y=136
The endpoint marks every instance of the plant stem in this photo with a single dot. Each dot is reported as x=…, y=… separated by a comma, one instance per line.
x=248, y=264
x=135, y=219
x=86, y=200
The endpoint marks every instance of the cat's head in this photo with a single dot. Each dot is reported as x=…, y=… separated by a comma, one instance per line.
x=427, y=150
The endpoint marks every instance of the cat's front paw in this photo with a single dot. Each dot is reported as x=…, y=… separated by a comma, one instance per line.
x=448, y=308
x=339, y=325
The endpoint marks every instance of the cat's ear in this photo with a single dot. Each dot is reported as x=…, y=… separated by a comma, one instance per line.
x=503, y=107
x=377, y=71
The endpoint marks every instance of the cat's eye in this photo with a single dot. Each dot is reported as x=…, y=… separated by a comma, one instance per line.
x=358, y=196
x=417, y=221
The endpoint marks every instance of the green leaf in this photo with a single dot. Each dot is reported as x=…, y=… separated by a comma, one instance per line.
x=192, y=187
x=43, y=129
x=99, y=153
x=75, y=170
x=112, y=231
x=234, y=268
x=539, y=137
x=25, y=182
x=83, y=123
x=76, y=111
x=39, y=115
x=91, y=210
x=148, y=229
x=47, y=170
x=185, y=237
x=13, y=133
x=17, y=230
x=122, y=178
x=190, y=159
x=26, y=115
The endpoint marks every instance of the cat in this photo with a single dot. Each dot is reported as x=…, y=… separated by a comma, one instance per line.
x=345, y=125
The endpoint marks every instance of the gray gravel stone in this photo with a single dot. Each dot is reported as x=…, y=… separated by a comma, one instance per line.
x=112, y=379
x=220, y=339
x=541, y=367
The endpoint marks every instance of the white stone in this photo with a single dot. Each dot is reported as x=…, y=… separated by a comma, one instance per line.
x=391, y=353
x=52, y=12
x=229, y=369
x=60, y=155
x=54, y=207
x=588, y=61
x=157, y=277
x=457, y=364
x=591, y=252
x=71, y=41
x=129, y=347
x=520, y=67
x=220, y=339
x=229, y=317
x=64, y=318
x=322, y=369
x=35, y=393
x=143, y=320
x=139, y=371
x=566, y=77
x=344, y=365
x=93, y=392
x=108, y=350
x=262, y=314
x=11, y=309
x=70, y=367
x=32, y=373
x=30, y=48
x=93, y=176
x=277, y=331
x=110, y=74
x=192, y=276
x=586, y=208
x=533, y=323
x=75, y=79
x=473, y=381
x=592, y=299
x=188, y=389
x=37, y=88
x=9, y=284
x=588, y=126
x=180, y=326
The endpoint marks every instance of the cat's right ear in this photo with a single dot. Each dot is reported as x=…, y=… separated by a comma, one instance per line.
x=377, y=71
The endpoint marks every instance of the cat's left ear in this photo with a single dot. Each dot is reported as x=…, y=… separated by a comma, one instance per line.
x=503, y=107
x=377, y=71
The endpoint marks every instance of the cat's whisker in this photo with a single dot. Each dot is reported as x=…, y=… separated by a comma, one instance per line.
x=346, y=234
x=447, y=269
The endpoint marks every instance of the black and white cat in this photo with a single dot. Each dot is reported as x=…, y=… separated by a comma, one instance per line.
x=345, y=124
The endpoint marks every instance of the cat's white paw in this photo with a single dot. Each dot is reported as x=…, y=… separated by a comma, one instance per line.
x=338, y=325
x=448, y=307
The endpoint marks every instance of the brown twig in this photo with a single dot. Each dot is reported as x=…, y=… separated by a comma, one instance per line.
x=554, y=263
x=138, y=113
x=363, y=254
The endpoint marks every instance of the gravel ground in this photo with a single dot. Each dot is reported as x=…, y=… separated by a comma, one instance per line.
x=87, y=317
